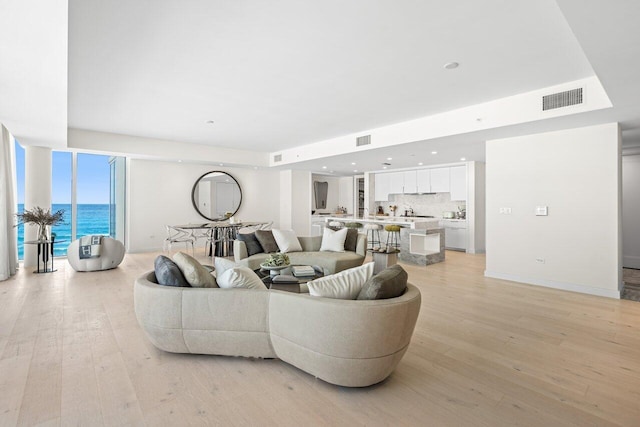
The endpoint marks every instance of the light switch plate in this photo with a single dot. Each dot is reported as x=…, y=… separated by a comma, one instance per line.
x=542, y=211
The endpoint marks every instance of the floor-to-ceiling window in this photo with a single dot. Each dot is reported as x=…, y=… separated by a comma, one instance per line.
x=89, y=188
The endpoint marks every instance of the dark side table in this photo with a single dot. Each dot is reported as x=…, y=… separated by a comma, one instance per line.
x=45, y=254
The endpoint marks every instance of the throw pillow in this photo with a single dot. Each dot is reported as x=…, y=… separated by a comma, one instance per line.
x=268, y=243
x=333, y=241
x=351, y=242
x=250, y=240
x=194, y=272
x=389, y=283
x=168, y=273
x=222, y=265
x=344, y=285
x=240, y=277
x=287, y=241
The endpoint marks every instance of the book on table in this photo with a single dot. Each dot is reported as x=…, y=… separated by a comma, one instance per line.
x=303, y=270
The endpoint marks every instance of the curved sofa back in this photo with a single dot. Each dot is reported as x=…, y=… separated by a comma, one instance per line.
x=344, y=342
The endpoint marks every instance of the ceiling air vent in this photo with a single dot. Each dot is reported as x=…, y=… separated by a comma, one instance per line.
x=363, y=140
x=562, y=99
x=277, y=158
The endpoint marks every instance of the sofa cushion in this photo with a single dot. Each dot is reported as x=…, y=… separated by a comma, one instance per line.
x=168, y=273
x=194, y=273
x=344, y=285
x=240, y=277
x=267, y=241
x=351, y=242
x=389, y=283
x=333, y=240
x=286, y=240
x=252, y=243
x=223, y=264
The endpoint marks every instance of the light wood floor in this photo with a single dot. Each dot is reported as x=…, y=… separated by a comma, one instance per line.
x=485, y=352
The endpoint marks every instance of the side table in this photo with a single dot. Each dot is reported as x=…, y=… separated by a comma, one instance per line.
x=45, y=254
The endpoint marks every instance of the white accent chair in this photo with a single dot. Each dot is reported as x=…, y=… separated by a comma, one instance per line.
x=178, y=235
x=111, y=255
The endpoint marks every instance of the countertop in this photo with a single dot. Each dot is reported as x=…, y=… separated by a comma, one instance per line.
x=410, y=222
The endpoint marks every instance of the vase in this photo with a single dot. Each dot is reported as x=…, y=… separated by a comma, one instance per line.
x=43, y=232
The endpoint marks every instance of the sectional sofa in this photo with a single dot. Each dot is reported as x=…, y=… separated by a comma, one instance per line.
x=349, y=343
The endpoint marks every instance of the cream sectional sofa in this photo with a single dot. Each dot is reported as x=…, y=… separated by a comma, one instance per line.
x=350, y=343
x=332, y=262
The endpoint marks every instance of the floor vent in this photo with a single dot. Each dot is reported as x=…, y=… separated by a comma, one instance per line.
x=277, y=158
x=562, y=99
x=363, y=140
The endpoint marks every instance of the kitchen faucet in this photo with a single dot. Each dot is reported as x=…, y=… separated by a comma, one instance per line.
x=409, y=211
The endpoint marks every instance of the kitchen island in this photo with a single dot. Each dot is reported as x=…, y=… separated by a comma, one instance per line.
x=421, y=239
x=413, y=222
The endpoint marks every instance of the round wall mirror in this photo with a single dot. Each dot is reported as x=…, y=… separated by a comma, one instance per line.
x=216, y=196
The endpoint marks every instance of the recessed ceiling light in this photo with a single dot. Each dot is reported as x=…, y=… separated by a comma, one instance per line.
x=330, y=171
x=324, y=167
x=451, y=65
x=355, y=170
x=221, y=164
x=255, y=167
x=384, y=167
x=209, y=122
x=463, y=159
x=389, y=158
x=434, y=152
x=479, y=119
x=420, y=164
x=179, y=161
x=353, y=163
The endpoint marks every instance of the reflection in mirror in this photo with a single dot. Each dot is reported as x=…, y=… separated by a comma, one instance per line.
x=216, y=195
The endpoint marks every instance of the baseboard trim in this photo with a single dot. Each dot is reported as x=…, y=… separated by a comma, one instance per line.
x=631, y=261
x=555, y=285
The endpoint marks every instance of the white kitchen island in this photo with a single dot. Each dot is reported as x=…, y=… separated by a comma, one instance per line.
x=408, y=222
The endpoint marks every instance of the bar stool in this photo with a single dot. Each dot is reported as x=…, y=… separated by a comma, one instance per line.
x=373, y=236
x=336, y=224
x=393, y=236
x=355, y=225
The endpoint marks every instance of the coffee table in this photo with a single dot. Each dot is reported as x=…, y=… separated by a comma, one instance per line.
x=267, y=278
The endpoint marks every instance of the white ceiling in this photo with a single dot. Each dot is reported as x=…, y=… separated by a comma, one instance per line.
x=276, y=75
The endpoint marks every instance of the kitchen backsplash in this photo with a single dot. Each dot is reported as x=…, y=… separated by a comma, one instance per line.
x=422, y=204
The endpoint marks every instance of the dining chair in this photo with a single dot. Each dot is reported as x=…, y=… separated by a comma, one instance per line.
x=178, y=235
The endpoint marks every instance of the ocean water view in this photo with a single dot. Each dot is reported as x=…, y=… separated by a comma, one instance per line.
x=92, y=219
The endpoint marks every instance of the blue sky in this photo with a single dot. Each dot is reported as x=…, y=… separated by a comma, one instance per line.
x=93, y=177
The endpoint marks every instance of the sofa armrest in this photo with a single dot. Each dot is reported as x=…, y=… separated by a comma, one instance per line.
x=239, y=250
x=361, y=245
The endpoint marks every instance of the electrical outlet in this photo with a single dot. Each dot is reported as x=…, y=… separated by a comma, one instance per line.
x=505, y=211
x=540, y=260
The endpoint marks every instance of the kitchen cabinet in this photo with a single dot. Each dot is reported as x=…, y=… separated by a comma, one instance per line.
x=396, y=185
x=382, y=187
x=440, y=180
x=455, y=234
x=423, y=181
x=410, y=184
x=458, y=183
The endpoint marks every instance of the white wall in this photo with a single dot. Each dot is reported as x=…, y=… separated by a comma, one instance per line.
x=631, y=211
x=294, y=199
x=577, y=174
x=159, y=193
x=476, y=207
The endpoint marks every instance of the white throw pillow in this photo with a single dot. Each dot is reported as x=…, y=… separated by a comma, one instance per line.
x=333, y=240
x=240, y=277
x=344, y=285
x=287, y=240
x=195, y=274
x=222, y=264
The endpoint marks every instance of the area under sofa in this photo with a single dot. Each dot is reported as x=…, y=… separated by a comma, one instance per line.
x=344, y=342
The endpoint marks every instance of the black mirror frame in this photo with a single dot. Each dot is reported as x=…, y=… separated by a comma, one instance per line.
x=193, y=195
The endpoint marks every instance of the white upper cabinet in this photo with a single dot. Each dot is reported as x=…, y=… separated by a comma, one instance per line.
x=410, y=184
x=423, y=181
x=396, y=185
x=440, y=180
x=458, y=183
x=382, y=187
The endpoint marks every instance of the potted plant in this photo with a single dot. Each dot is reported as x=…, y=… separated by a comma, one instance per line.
x=42, y=218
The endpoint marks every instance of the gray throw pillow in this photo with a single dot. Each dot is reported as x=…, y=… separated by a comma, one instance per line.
x=168, y=273
x=351, y=242
x=267, y=241
x=250, y=240
x=389, y=283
